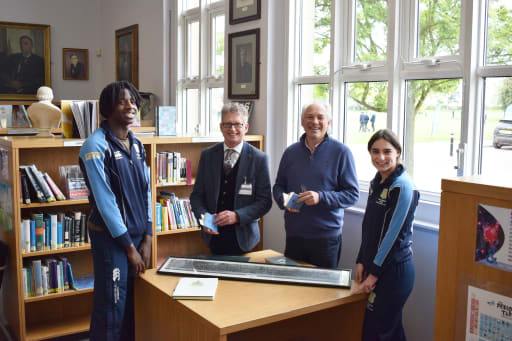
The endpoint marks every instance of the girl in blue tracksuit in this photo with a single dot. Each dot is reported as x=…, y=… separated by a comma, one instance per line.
x=113, y=162
x=385, y=266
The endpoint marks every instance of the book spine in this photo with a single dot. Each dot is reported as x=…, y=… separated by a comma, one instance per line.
x=67, y=231
x=39, y=230
x=56, y=190
x=24, y=188
x=44, y=279
x=33, y=247
x=42, y=184
x=37, y=277
x=26, y=232
x=54, y=232
x=70, y=277
x=83, y=228
x=158, y=217
x=60, y=230
x=25, y=283
x=65, y=277
x=47, y=232
x=76, y=227
x=35, y=186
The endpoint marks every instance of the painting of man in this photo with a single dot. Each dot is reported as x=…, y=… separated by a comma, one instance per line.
x=75, y=64
x=244, y=65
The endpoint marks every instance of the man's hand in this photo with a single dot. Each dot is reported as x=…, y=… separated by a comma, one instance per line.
x=367, y=286
x=135, y=259
x=360, y=275
x=293, y=210
x=207, y=230
x=226, y=218
x=145, y=250
x=310, y=198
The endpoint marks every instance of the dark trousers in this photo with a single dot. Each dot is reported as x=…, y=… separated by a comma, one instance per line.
x=322, y=252
x=113, y=312
x=383, y=315
x=225, y=243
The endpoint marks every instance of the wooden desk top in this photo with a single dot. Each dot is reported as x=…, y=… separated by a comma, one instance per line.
x=240, y=305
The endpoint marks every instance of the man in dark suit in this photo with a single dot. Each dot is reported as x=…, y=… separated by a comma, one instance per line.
x=244, y=66
x=24, y=71
x=233, y=184
x=76, y=68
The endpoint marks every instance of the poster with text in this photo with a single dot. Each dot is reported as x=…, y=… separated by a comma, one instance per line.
x=489, y=316
x=494, y=237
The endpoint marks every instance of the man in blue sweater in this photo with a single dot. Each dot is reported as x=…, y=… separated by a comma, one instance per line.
x=322, y=171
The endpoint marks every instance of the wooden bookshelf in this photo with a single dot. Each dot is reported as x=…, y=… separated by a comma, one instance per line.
x=61, y=314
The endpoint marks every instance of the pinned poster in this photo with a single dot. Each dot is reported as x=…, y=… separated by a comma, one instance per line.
x=494, y=237
x=489, y=316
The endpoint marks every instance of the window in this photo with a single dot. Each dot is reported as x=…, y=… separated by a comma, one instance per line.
x=200, y=90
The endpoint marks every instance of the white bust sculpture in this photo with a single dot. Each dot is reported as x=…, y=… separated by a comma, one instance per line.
x=43, y=114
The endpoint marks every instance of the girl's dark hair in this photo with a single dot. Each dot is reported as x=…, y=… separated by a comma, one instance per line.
x=387, y=135
x=110, y=96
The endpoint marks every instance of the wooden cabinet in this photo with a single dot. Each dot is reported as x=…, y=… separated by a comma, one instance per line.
x=456, y=265
x=42, y=317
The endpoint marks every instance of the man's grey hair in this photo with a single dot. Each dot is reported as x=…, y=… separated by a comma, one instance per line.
x=326, y=106
x=235, y=107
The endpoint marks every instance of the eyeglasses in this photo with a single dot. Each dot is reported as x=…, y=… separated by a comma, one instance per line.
x=229, y=125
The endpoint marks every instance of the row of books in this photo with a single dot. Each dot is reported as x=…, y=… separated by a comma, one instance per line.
x=175, y=213
x=50, y=276
x=52, y=231
x=39, y=186
x=173, y=168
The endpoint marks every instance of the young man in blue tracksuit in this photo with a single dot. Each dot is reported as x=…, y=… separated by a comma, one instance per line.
x=322, y=171
x=385, y=267
x=113, y=162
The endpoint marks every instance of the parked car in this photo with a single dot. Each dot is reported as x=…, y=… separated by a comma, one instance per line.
x=503, y=132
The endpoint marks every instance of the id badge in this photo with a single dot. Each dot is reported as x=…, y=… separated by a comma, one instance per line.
x=245, y=189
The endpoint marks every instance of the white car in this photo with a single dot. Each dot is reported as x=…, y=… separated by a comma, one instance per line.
x=503, y=132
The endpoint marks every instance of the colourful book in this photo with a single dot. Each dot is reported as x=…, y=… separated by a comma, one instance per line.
x=166, y=121
x=39, y=230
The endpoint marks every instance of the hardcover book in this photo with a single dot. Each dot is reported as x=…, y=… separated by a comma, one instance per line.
x=290, y=201
x=195, y=288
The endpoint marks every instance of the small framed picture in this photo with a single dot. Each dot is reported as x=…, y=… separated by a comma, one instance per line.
x=127, y=54
x=75, y=64
x=25, y=60
x=244, y=10
x=244, y=64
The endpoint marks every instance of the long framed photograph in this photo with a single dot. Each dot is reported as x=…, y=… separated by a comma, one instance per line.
x=244, y=64
x=24, y=60
x=127, y=54
x=244, y=10
x=75, y=64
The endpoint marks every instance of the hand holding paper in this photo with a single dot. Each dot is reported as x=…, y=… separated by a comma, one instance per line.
x=207, y=221
x=290, y=201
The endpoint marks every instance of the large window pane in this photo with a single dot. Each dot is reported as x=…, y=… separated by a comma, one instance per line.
x=439, y=28
x=371, y=30
x=189, y=4
x=315, y=36
x=499, y=32
x=192, y=111
x=193, y=49
x=432, y=134
x=366, y=112
x=216, y=98
x=218, y=45
x=497, y=132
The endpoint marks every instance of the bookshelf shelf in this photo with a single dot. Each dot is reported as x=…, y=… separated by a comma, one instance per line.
x=59, y=327
x=56, y=203
x=58, y=295
x=84, y=247
x=190, y=229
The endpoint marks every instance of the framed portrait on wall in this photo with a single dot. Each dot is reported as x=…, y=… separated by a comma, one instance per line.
x=75, y=64
x=127, y=54
x=24, y=59
x=244, y=10
x=244, y=64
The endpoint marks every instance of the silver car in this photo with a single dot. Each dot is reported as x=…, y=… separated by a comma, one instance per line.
x=503, y=132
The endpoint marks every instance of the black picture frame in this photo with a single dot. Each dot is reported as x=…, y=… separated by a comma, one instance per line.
x=75, y=64
x=127, y=54
x=30, y=43
x=244, y=64
x=244, y=10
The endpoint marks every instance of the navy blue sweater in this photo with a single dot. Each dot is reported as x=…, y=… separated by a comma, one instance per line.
x=387, y=222
x=330, y=171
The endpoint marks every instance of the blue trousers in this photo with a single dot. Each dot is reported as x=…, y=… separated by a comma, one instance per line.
x=322, y=252
x=113, y=312
x=383, y=315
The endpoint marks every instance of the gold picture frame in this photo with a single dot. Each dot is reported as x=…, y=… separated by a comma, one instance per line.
x=127, y=54
x=24, y=60
x=75, y=64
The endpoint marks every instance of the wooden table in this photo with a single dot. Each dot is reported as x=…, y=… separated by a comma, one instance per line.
x=245, y=310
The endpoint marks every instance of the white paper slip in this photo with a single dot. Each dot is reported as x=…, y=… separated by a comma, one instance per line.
x=195, y=288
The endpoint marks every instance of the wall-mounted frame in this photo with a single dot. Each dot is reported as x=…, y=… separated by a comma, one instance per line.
x=244, y=64
x=24, y=60
x=244, y=10
x=75, y=64
x=127, y=54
